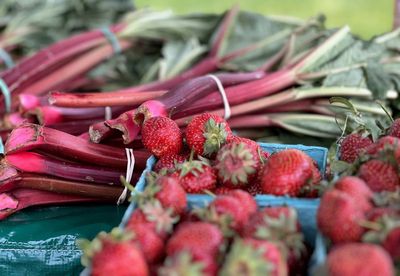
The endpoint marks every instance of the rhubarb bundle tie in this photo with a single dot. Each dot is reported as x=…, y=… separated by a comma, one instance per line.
x=129, y=171
x=107, y=113
x=112, y=38
x=221, y=90
x=5, y=56
x=7, y=95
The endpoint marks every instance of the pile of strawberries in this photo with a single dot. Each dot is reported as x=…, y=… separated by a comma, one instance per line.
x=377, y=163
x=227, y=237
x=209, y=157
x=360, y=214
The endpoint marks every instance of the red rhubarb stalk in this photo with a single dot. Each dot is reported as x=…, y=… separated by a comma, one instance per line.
x=35, y=163
x=20, y=199
x=117, y=98
x=31, y=136
x=73, y=69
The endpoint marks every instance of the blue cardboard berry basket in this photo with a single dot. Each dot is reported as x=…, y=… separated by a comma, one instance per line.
x=306, y=208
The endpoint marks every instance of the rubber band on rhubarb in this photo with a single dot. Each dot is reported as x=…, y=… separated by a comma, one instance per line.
x=107, y=113
x=221, y=90
x=7, y=95
x=5, y=56
x=129, y=171
x=112, y=38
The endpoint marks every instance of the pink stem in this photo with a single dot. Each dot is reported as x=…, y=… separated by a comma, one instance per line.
x=36, y=163
x=20, y=199
x=33, y=137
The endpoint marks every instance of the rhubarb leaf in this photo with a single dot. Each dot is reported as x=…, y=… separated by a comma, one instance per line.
x=378, y=81
x=179, y=55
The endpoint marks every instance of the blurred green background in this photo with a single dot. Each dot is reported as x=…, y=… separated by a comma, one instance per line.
x=365, y=17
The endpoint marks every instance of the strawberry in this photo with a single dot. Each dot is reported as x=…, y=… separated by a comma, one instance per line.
x=395, y=128
x=196, y=176
x=113, y=254
x=254, y=189
x=222, y=190
x=254, y=257
x=206, y=133
x=162, y=136
x=201, y=240
x=359, y=259
x=352, y=145
x=313, y=188
x=387, y=146
x=227, y=212
x=338, y=216
x=167, y=191
x=169, y=161
x=392, y=244
x=379, y=175
x=286, y=173
x=279, y=224
x=237, y=164
x=151, y=244
x=253, y=144
x=155, y=217
x=246, y=200
x=357, y=189
x=183, y=264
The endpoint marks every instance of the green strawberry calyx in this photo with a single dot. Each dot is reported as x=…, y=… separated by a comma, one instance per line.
x=215, y=136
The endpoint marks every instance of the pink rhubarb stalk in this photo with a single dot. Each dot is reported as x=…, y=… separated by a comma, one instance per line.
x=20, y=199
x=35, y=163
x=31, y=136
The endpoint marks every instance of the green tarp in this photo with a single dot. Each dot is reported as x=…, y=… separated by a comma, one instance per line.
x=41, y=241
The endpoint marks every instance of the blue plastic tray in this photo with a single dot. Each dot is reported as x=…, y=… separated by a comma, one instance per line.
x=306, y=208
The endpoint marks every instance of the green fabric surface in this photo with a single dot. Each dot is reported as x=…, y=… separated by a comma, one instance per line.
x=41, y=241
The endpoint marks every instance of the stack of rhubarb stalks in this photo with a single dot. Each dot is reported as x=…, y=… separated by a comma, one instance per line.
x=281, y=74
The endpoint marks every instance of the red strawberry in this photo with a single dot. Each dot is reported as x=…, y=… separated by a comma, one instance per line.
x=254, y=257
x=395, y=128
x=162, y=136
x=237, y=164
x=338, y=217
x=113, y=254
x=383, y=142
x=254, y=189
x=184, y=264
x=222, y=190
x=286, y=173
x=357, y=189
x=246, y=200
x=196, y=176
x=169, y=161
x=352, y=145
x=151, y=244
x=248, y=142
x=392, y=244
x=359, y=259
x=227, y=211
x=155, y=217
x=379, y=175
x=201, y=240
x=279, y=224
x=206, y=133
x=313, y=188
x=167, y=191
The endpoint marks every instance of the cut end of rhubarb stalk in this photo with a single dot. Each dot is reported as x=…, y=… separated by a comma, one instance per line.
x=8, y=205
x=7, y=173
x=98, y=132
x=148, y=110
x=28, y=101
x=125, y=124
x=22, y=137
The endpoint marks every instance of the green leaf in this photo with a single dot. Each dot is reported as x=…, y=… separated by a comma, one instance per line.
x=378, y=81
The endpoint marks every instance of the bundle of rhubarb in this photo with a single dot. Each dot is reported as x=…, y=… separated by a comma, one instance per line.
x=215, y=160
x=276, y=73
x=28, y=26
x=363, y=226
x=43, y=166
x=227, y=237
